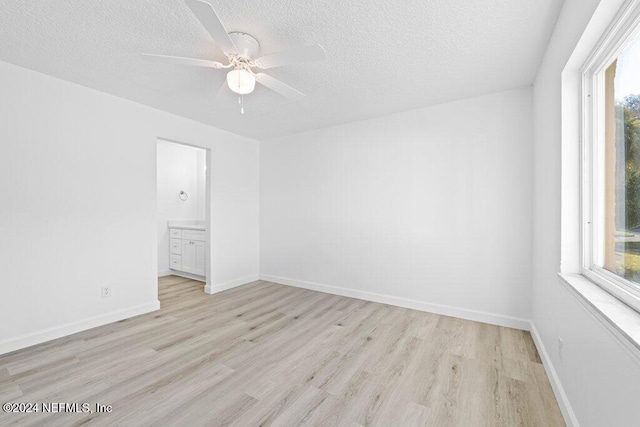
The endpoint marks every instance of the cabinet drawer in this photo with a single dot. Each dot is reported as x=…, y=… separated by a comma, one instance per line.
x=176, y=246
x=195, y=235
x=175, y=233
x=175, y=263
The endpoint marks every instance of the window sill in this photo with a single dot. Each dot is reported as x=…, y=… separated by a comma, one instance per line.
x=619, y=318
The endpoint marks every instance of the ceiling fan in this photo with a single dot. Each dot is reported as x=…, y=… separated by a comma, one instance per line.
x=241, y=50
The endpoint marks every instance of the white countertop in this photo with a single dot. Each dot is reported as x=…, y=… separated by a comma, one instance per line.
x=188, y=225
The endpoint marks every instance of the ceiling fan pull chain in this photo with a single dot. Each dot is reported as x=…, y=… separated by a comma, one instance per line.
x=241, y=104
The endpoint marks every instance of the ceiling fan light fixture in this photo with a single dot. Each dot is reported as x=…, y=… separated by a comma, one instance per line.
x=241, y=81
x=241, y=50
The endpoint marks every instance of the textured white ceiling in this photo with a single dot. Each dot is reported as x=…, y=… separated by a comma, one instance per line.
x=383, y=56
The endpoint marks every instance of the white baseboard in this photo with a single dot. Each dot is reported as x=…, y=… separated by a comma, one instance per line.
x=463, y=313
x=24, y=341
x=231, y=284
x=164, y=273
x=558, y=390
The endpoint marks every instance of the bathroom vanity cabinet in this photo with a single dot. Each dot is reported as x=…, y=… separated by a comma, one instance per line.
x=187, y=249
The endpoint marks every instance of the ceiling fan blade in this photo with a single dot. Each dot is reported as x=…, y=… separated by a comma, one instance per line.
x=223, y=92
x=289, y=57
x=279, y=87
x=210, y=21
x=185, y=61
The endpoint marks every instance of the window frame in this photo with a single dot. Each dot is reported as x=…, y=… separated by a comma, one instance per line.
x=624, y=28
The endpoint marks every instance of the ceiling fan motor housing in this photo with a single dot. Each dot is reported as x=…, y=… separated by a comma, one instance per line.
x=246, y=44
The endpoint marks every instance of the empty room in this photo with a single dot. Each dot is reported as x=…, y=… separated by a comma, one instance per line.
x=267, y=212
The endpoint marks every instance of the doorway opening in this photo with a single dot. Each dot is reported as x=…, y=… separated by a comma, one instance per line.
x=183, y=202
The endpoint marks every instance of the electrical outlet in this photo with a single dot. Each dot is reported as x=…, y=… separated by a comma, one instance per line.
x=560, y=347
x=106, y=291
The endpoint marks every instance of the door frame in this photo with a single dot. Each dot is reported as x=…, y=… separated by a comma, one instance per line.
x=207, y=210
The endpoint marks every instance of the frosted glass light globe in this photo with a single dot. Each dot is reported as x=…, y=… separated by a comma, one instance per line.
x=241, y=81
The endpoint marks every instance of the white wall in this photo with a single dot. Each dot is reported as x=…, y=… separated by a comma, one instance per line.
x=180, y=168
x=600, y=377
x=78, y=207
x=430, y=207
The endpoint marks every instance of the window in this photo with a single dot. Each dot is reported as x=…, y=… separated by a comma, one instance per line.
x=611, y=166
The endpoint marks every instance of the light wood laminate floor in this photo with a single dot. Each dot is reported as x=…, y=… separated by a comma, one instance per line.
x=267, y=354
